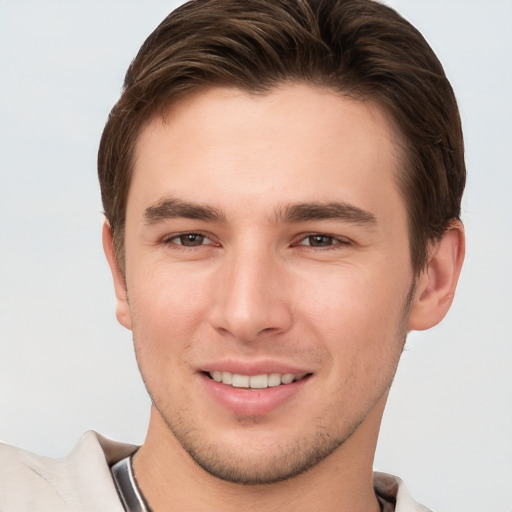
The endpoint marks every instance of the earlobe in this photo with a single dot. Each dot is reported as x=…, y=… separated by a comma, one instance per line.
x=122, y=305
x=435, y=287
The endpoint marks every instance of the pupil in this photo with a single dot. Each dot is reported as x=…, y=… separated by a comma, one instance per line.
x=191, y=239
x=320, y=240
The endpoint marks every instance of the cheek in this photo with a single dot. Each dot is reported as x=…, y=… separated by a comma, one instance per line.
x=167, y=311
x=359, y=317
x=168, y=295
x=362, y=298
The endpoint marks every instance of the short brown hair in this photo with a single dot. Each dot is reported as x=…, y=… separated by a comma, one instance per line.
x=360, y=48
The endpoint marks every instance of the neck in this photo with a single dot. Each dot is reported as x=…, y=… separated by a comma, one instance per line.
x=170, y=479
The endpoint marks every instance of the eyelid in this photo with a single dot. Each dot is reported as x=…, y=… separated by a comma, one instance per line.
x=170, y=238
x=337, y=240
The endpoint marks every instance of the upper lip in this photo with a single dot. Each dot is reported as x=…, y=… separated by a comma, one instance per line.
x=254, y=367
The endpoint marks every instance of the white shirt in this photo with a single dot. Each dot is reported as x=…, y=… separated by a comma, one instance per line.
x=82, y=481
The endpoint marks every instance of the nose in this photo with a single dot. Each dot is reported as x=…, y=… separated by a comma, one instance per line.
x=251, y=296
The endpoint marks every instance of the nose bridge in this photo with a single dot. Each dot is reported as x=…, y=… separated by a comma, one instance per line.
x=251, y=298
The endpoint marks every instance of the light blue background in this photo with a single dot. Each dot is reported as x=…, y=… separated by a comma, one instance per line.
x=66, y=366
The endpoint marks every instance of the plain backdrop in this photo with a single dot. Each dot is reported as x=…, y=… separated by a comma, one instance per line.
x=65, y=364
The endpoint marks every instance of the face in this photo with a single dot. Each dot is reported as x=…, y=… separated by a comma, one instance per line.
x=267, y=275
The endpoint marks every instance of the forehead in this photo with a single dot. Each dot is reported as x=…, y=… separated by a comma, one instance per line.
x=294, y=143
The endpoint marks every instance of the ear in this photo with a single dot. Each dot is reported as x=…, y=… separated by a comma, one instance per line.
x=122, y=306
x=435, y=287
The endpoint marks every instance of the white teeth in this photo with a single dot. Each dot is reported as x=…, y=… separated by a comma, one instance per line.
x=240, y=381
x=258, y=381
x=274, y=379
x=287, y=378
x=227, y=378
x=255, y=381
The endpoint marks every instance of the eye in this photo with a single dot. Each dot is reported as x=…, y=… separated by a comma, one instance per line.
x=189, y=239
x=321, y=240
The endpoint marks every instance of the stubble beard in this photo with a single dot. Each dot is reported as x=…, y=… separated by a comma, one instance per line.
x=284, y=462
x=270, y=465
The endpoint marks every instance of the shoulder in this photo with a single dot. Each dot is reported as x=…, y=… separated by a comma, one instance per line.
x=391, y=489
x=79, y=481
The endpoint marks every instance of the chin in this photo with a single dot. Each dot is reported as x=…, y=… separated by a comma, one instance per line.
x=256, y=459
x=260, y=469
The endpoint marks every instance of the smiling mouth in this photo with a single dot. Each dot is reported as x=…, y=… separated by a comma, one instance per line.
x=265, y=380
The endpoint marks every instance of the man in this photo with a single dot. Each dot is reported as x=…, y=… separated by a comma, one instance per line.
x=282, y=184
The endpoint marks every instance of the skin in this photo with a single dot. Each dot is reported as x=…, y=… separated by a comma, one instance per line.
x=264, y=283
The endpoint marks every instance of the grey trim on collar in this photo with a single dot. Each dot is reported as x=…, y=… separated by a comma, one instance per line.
x=130, y=495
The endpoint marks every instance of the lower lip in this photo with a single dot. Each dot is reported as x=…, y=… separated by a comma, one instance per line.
x=252, y=402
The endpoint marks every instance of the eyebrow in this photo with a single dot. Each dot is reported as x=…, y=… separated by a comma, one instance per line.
x=174, y=208
x=293, y=213
x=303, y=212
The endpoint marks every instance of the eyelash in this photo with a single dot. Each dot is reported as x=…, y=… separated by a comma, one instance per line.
x=335, y=242
x=170, y=240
